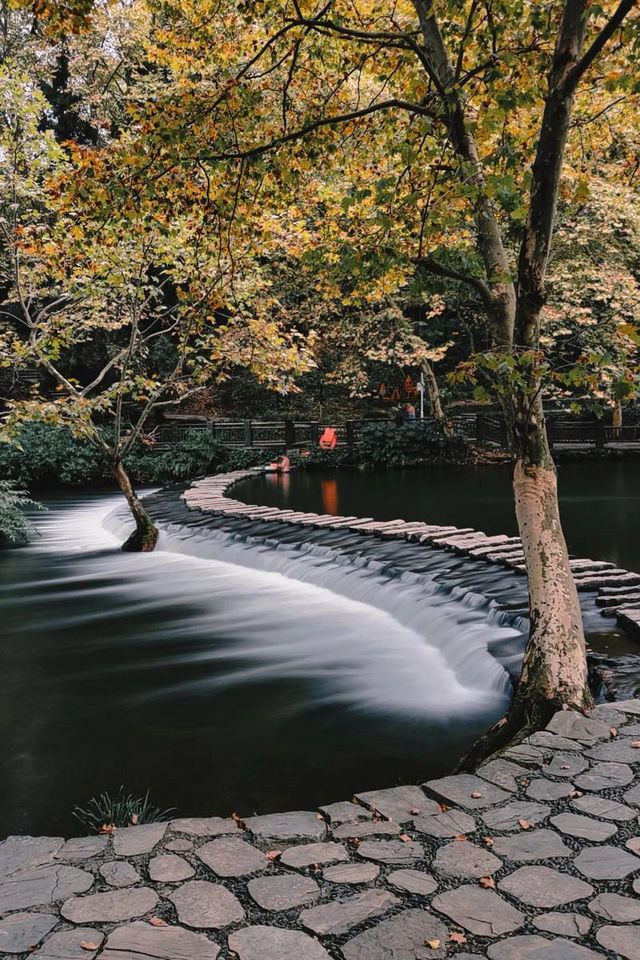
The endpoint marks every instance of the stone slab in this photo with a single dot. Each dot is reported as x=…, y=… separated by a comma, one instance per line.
x=542, y=789
x=143, y=941
x=21, y=853
x=119, y=873
x=563, y=924
x=179, y=845
x=232, y=857
x=452, y=823
x=288, y=826
x=539, y=948
x=67, y=945
x=460, y=858
x=366, y=828
x=566, y=764
x=540, y=886
x=503, y=773
x=169, y=868
x=344, y=812
x=623, y=941
x=352, y=873
x=544, y=739
x=205, y=905
x=21, y=932
x=481, y=912
x=606, y=863
x=404, y=937
x=619, y=750
x=398, y=803
x=509, y=816
x=413, y=881
x=605, y=776
x=340, y=916
x=38, y=886
x=613, y=906
x=81, y=848
x=531, y=845
x=310, y=854
x=586, y=828
x=283, y=893
x=573, y=726
x=110, y=907
x=134, y=841
x=604, y=807
x=275, y=943
x=391, y=851
x=465, y=790
x=205, y=826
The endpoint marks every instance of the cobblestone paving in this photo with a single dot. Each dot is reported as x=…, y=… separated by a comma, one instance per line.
x=534, y=858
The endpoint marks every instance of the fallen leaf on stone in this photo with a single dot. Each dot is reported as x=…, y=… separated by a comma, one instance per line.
x=404, y=837
x=354, y=840
x=444, y=807
x=613, y=732
x=524, y=824
x=461, y=836
x=273, y=854
x=87, y=945
x=434, y=944
x=238, y=820
x=416, y=810
x=157, y=922
x=487, y=882
x=565, y=766
x=107, y=828
x=636, y=744
x=319, y=816
x=134, y=820
x=488, y=841
x=575, y=793
x=457, y=937
x=476, y=795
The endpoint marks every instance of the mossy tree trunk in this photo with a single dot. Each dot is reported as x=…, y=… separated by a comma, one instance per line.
x=145, y=535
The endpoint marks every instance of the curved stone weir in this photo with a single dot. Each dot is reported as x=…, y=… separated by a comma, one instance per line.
x=482, y=572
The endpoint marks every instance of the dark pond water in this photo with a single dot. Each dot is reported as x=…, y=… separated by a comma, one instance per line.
x=223, y=675
x=600, y=501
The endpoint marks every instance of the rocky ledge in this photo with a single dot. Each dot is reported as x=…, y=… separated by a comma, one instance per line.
x=536, y=857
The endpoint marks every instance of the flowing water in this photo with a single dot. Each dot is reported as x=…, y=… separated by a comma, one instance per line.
x=252, y=666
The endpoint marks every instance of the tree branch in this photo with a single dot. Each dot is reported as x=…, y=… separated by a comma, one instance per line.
x=583, y=64
x=432, y=266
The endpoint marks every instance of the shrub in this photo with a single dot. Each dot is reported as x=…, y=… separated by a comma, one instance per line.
x=44, y=455
x=107, y=811
x=408, y=444
x=14, y=526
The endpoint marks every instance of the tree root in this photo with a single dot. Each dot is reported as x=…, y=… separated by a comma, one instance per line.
x=143, y=539
x=520, y=722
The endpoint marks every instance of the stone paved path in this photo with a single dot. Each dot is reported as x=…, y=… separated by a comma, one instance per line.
x=536, y=857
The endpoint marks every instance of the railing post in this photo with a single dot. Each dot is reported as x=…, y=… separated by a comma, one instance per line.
x=289, y=434
x=315, y=432
x=599, y=434
x=350, y=434
x=248, y=434
x=480, y=425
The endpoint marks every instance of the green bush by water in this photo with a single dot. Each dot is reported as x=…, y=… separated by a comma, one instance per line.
x=120, y=809
x=14, y=526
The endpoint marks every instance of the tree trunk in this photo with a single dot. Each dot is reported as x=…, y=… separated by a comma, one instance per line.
x=616, y=419
x=145, y=535
x=435, y=403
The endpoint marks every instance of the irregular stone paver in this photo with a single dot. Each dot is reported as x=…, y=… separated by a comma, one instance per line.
x=404, y=937
x=232, y=857
x=525, y=754
x=352, y=872
x=311, y=853
x=283, y=893
x=168, y=868
x=551, y=741
x=565, y=765
x=541, y=886
x=274, y=943
x=614, y=907
x=543, y=789
x=623, y=941
x=21, y=853
x=413, y=881
x=509, y=816
x=110, y=907
x=465, y=790
x=587, y=828
x=80, y=848
x=633, y=796
x=391, y=851
x=573, y=726
x=531, y=845
x=201, y=904
x=480, y=911
x=23, y=931
x=340, y=916
x=398, y=803
x=605, y=808
x=634, y=845
x=503, y=774
x=142, y=941
x=564, y=924
x=604, y=776
x=464, y=859
x=606, y=863
x=452, y=823
x=366, y=828
x=42, y=885
x=180, y=845
x=133, y=841
x=205, y=826
x=119, y=873
x=539, y=948
x=67, y=945
x=619, y=751
x=345, y=812
x=288, y=826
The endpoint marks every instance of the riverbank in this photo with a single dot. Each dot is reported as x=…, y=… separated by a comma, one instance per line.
x=536, y=855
